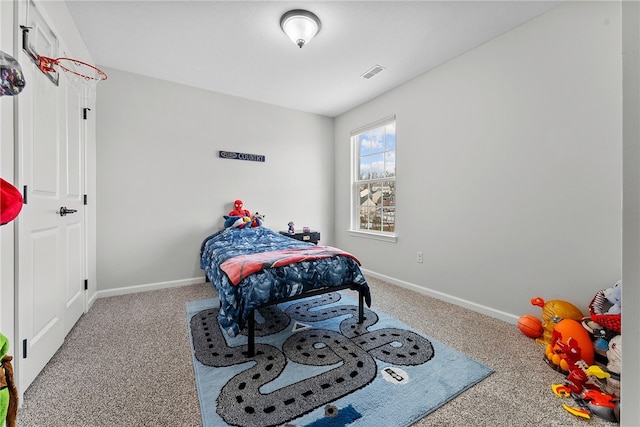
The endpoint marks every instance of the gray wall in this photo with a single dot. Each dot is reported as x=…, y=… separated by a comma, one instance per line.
x=508, y=168
x=162, y=187
x=509, y=161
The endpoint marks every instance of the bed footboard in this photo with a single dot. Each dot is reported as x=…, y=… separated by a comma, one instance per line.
x=251, y=323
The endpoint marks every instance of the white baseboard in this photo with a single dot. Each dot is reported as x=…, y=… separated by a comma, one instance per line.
x=91, y=300
x=149, y=287
x=482, y=309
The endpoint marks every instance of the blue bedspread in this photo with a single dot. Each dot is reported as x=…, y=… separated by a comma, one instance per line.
x=272, y=284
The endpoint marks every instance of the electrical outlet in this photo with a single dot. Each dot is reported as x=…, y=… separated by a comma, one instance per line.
x=419, y=257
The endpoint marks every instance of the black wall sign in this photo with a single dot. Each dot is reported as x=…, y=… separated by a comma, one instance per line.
x=241, y=156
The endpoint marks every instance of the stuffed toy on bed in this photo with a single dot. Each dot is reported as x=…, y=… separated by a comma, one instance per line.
x=8, y=390
x=256, y=220
x=231, y=221
x=238, y=210
x=240, y=217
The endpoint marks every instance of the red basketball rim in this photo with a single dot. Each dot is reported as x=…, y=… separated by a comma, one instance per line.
x=73, y=66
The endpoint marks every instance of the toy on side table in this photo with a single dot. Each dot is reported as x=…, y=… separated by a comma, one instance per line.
x=292, y=229
x=8, y=390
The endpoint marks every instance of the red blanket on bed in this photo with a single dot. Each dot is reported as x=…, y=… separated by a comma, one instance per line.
x=239, y=267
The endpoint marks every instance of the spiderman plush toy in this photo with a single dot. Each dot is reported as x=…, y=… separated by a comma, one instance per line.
x=238, y=211
x=243, y=216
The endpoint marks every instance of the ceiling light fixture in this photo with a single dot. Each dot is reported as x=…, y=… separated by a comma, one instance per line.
x=300, y=25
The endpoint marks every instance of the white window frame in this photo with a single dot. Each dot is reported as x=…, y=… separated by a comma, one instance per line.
x=354, y=229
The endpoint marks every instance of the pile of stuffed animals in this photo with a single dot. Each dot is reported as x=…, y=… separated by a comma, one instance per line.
x=8, y=390
x=241, y=218
x=588, y=349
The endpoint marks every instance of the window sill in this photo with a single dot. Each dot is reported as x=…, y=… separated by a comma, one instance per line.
x=375, y=236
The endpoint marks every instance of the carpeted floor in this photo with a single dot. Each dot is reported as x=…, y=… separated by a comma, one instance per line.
x=128, y=363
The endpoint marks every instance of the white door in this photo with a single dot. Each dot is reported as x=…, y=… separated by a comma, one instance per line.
x=72, y=198
x=50, y=245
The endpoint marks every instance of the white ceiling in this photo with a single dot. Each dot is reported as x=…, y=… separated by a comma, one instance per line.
x=237, y=47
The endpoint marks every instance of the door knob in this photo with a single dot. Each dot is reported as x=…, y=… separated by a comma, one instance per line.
x=64, y=211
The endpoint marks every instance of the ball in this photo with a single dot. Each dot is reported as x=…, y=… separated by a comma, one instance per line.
x=530, y=325
x=569, y=328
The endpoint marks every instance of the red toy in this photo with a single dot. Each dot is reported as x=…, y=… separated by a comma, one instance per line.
x=555, y=354
x=594, y=402
x=238, y=211
x=577, y=378
x=587, y=395
x=256, y=220
x=10, y=202
x=530, y=325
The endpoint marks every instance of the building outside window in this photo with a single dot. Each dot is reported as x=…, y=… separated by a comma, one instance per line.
x=374, y=181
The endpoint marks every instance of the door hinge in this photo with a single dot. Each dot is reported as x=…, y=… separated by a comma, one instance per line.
x=24, y=348
x=24, y=194
x=84, y=112
x=86, y=284
x=84, y=200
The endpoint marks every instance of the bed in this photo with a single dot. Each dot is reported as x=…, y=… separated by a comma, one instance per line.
x=253, y=268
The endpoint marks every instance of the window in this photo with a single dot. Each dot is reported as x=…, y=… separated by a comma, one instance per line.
x=374, y=181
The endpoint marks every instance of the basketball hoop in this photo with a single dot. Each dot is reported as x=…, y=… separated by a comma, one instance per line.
x=73, y=66
x=82, y=76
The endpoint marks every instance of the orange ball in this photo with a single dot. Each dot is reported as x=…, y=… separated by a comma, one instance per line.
x=530, y=325
x=569, y=328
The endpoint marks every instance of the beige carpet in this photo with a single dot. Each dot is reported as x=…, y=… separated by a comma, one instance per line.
x=128, y=363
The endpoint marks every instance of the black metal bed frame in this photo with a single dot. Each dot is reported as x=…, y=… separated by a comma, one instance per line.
x=251, y=342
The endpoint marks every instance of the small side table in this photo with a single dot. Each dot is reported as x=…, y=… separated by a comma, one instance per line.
x=311, y=236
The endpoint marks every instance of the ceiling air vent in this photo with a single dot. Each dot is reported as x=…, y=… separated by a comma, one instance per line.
x=373, y=71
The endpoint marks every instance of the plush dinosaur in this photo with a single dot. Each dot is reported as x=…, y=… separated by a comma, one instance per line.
x=8, y=390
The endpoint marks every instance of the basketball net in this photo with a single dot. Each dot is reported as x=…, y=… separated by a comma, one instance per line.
x=82, y=77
